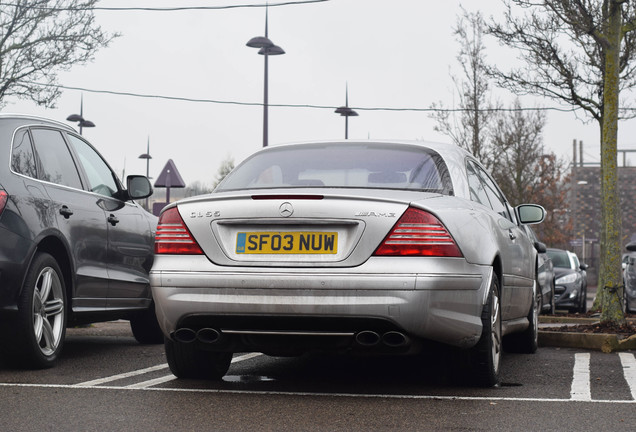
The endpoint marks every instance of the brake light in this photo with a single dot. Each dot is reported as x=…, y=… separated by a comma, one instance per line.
x=3, y=200
x=419, y=233
x=173, y=236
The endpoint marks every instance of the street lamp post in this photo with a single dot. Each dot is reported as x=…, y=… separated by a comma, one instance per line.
x=147, y=157
x=79, y=118
x=346, y=112
x=266, y=48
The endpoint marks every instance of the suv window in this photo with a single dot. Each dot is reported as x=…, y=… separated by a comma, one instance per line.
x=100, y=178
x=22, y=156
x=55, y=158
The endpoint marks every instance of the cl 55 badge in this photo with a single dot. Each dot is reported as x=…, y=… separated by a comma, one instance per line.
x=207, y=214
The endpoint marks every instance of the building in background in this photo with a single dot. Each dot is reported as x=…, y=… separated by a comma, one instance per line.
x=585, y=209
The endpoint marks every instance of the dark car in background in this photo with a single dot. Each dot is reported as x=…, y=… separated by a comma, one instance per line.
x=629, y=279
x=545, y=273
x=75, y=247
x=570, y=283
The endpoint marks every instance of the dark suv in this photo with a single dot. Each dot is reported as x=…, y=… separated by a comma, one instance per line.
x=74, y=246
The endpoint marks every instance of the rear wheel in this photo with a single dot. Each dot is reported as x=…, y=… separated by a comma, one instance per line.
x=486, y=355
x=583, y=302
x=186, y=361
x=38, y=337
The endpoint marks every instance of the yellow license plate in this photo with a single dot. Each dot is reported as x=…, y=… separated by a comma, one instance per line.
x=294, y=242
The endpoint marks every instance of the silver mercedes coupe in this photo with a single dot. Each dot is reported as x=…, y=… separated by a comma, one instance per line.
x=356, y=247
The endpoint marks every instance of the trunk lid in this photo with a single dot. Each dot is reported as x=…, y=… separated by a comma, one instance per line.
x=338, y=229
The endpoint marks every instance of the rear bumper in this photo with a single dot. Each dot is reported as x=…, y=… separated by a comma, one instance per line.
x=441, y=302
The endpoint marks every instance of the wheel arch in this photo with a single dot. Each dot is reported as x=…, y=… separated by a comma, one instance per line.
x=55, y=247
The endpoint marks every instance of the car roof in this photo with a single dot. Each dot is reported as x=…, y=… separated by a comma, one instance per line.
x=35, y=119
x=444, y=149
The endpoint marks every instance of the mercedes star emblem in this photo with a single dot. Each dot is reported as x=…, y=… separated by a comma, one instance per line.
x=286, y=209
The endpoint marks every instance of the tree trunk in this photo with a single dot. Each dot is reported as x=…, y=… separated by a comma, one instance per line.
x=610, y=282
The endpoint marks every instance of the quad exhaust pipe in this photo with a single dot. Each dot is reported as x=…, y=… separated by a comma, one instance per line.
x=204, y=335
x=392, y=339
x=364, y=338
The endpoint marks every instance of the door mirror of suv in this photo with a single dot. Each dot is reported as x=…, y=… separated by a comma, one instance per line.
x=138, y=187
x=631, y=247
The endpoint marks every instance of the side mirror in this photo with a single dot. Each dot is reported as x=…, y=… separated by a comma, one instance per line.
x=540, y=247
x=530, y=213
x=583, y=266
x=138, y=187
x=631, y=247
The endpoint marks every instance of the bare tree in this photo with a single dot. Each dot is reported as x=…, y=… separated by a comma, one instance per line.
x=196, y=188
x=38, y=39
x=469, y=126
x=551, y=191
x=226, y=166
x=581, y=53
x=517, y=136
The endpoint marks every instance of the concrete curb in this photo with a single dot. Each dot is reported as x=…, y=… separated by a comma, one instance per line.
x=592, y=341
x=604, y=342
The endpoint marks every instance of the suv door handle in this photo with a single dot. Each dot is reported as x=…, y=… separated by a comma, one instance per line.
x=511, y=235
x=112, y=219
x=66, y=212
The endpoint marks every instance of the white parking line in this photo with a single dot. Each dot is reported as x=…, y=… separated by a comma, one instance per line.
x=580, y=390
x=320, y=394
x=122, y=375
x=629, y=371
x=245, y=357
x=152, y=382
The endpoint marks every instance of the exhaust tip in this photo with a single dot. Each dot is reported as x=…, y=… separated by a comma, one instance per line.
x=367, y=338
x=185, y=335
x=208, y=335
x=395, y=339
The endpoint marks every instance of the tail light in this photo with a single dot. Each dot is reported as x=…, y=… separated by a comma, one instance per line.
x=173, y=237
x=3, y=200
x=418, y=233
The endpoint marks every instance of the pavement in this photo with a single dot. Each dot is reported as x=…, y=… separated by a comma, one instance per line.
x=591, y=341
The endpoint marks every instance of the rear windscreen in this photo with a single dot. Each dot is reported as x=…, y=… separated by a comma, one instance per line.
x=384, y=166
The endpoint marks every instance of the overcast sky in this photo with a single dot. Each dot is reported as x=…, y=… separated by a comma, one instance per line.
x=392, y=53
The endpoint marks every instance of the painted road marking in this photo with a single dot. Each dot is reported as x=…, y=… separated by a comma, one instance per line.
x=122, y=376
x=151, y=382
x=580, y=390
x=629, y=371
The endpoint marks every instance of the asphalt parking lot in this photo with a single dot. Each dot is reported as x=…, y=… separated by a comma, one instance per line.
x=106, y=381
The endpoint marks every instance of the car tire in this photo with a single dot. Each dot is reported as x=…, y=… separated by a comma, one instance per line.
x=583, y=302
x=486, y=355
x=186, y=361
x=145, y=327
x=552, y=301
x=526, y=342
x=38, y=336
